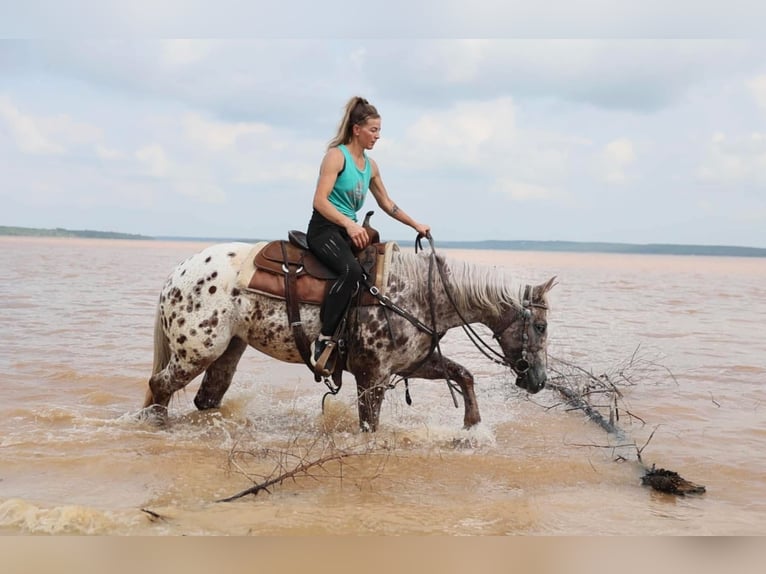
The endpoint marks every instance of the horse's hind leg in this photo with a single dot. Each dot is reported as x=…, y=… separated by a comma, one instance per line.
x=174, y=377
x=437, y=367
x=218, y=376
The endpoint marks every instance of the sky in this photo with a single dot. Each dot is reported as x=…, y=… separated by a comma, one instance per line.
x=637, y=140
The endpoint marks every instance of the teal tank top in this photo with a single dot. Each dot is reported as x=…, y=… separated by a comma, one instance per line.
x=351, y=186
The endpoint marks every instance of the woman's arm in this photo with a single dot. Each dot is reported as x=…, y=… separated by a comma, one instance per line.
x=380, y=194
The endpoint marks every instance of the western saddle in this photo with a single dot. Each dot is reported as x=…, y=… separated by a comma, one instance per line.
x=289, y=270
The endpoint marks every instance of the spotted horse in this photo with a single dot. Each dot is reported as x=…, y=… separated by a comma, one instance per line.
x=208, y=315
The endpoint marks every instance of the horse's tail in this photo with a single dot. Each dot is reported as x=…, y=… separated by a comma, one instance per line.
x=161, y=354
x=161, y=345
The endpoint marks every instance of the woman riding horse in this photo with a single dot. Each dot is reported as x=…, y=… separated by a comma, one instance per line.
x=345, y=175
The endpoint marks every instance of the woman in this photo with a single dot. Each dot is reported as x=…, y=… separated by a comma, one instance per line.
x=345, y=175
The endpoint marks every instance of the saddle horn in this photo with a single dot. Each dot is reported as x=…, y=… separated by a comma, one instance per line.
x=371, y=231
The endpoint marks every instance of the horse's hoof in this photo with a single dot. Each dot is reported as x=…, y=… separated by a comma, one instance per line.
x=204, y=404
x=156, y=415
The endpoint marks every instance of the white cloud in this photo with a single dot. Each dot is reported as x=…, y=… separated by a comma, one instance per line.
x=193, y=180
x=44, y=135
x=739, y=160
x=614, y=160
x=757, y=86
x=107, y=153
x=358, y=58
x=461, y=135
x=521, y=191
x=200, y=190
x=154, y=160
x=26, y=131
x=218, y=136
x=184, y=53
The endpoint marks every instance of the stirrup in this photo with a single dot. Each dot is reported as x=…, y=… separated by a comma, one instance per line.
x=324, y=367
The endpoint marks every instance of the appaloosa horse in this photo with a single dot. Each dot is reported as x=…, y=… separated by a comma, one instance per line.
x=206, y=318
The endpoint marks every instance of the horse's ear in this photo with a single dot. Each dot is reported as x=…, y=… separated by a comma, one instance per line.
x=542, y=289
x=550, y=284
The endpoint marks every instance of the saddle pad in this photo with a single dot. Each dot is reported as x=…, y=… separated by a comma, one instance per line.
x=248, y=265
x=384, y=267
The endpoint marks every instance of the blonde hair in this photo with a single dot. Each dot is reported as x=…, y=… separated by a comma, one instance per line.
x=357, y=112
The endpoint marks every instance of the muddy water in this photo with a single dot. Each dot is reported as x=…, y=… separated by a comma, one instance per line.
x=75, y=354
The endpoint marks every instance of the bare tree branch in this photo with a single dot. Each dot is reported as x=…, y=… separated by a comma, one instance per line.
x=303, y=467
x=579, y=386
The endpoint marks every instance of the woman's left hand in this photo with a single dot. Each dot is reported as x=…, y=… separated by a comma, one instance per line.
x=422, y=229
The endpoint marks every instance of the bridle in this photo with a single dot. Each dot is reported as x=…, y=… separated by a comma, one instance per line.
x=521, y=366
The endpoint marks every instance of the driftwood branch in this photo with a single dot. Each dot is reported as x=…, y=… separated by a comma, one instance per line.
x=301, y=457
x=578, y=386
x=301, y=469
x=153, y=516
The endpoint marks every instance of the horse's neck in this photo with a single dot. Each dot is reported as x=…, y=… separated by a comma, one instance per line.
x=474, y=293
x=467, y=300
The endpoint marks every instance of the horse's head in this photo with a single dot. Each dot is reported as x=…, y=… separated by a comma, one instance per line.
x=522, y=334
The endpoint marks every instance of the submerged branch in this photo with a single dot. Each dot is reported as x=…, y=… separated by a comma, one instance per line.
x=577, y=385
x=577, y=401
x=300, y=469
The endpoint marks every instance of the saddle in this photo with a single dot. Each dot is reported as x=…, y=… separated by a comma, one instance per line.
x=279, y=259
x=288, y=270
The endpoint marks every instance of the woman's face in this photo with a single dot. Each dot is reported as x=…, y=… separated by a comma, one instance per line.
x=368, y=133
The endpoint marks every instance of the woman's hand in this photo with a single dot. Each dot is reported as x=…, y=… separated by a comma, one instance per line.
x=358, y=235
x=422, y=229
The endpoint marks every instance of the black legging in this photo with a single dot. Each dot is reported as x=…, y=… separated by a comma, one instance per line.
x=332, y=246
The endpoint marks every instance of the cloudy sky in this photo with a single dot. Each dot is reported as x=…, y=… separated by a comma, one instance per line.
x=625, y=140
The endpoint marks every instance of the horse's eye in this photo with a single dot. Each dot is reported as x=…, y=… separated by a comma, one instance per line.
x=540, y=328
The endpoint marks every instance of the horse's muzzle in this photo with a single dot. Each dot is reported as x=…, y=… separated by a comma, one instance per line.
x=530, y=382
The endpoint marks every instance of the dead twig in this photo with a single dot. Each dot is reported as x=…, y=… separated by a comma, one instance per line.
x=154, y=516
x=640, y=450
x=302, y=468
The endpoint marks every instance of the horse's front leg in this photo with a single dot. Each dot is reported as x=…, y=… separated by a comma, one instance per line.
x=370, y=390
x=438, y=367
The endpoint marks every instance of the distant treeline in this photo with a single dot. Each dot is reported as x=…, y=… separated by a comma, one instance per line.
x=598, y=247
x=561, y=246
x=59, y=232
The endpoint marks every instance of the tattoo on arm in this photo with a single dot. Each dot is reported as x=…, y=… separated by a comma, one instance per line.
x=394, y=209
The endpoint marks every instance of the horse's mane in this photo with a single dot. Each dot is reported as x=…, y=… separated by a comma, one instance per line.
x=471, y=284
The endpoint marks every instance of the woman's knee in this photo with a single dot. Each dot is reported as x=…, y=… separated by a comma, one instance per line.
x=354, y=272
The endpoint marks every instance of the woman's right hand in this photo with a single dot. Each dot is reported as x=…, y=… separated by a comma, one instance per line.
x=358, y=235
